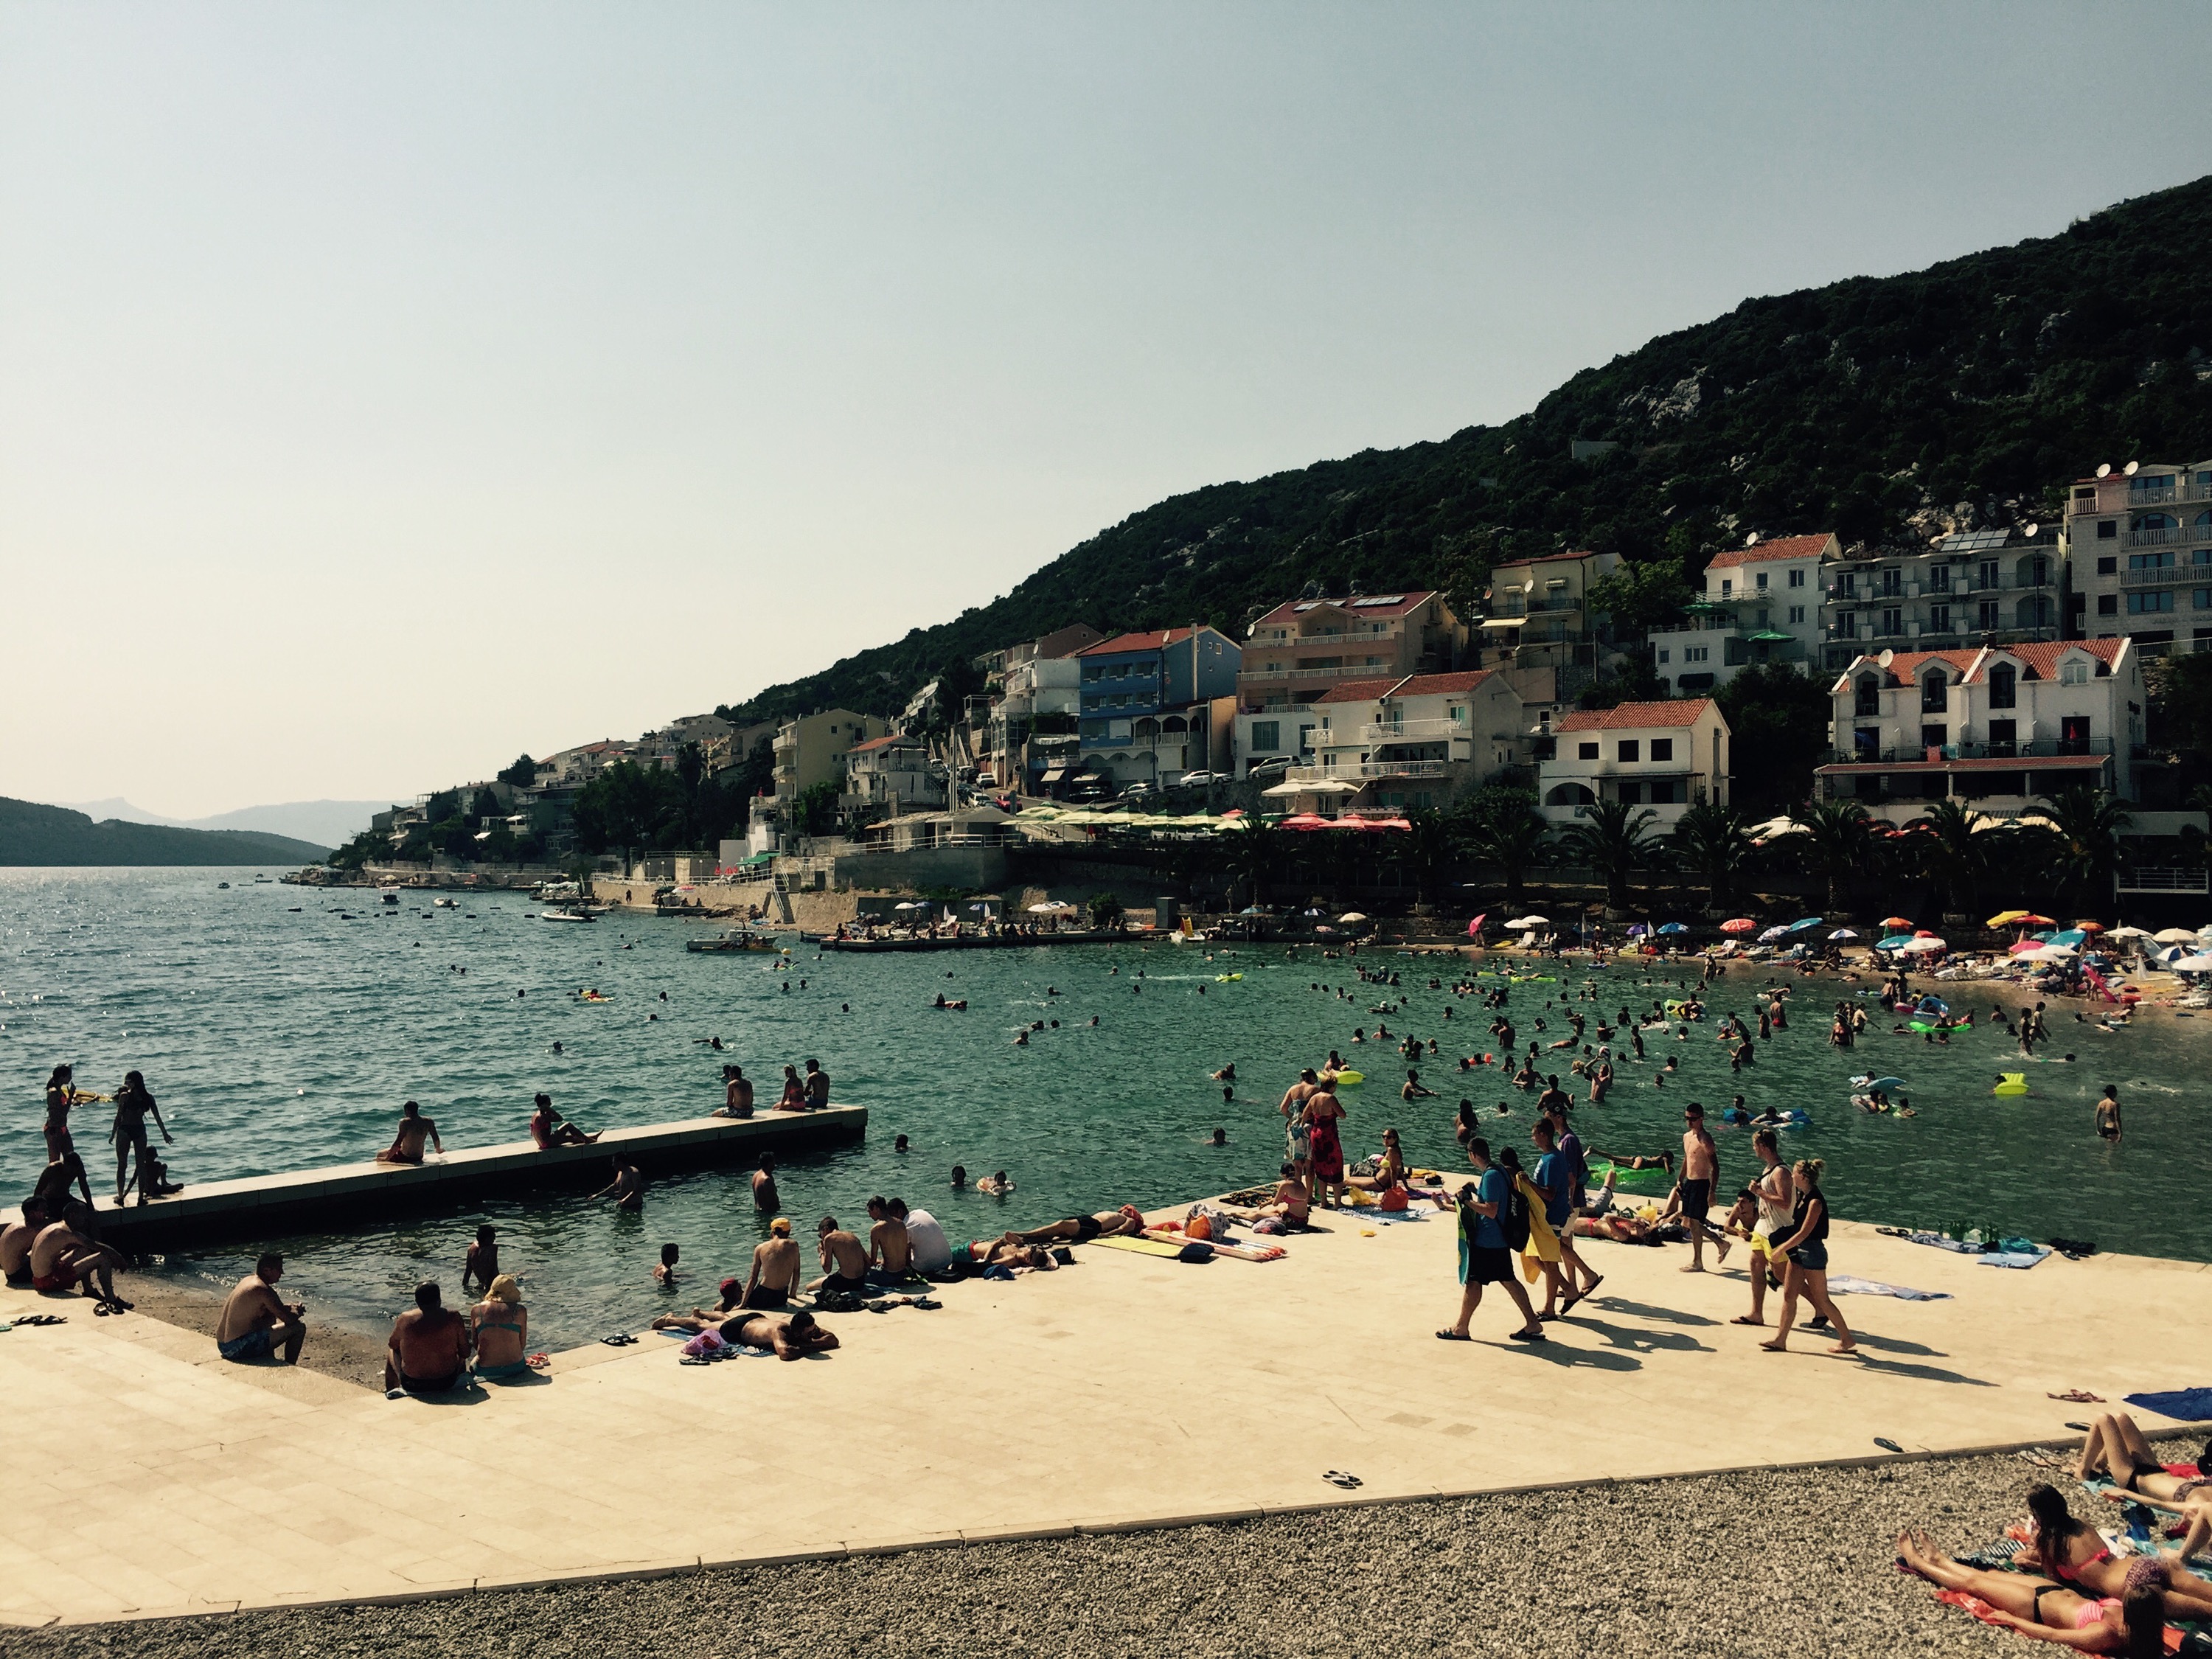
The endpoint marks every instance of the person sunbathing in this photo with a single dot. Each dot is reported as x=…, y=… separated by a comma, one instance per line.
x=786, y=1336
x=2070, y=1550
x=2046, y=1610
x=1128, y=1221
x=2115, y=1448
x=1011, y=1254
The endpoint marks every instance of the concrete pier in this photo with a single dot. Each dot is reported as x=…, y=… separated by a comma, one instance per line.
x=350, y=1193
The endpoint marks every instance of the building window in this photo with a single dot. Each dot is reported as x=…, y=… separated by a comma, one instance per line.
x=1696, y=653
x=1797, y=612
x=2149, y=560
x=1932, y=737
x=2003, y=734
x=1866, y=742
x=2152, y=522
x=2074, y=734
x=1631, y=750
x=1939, y=618
x=1662, y=654
x=1662, y=749
x=2107, y=528
x=2108, y=566
x=1762, y=616
x=1935, y=693
x=1892, y=621
x=2073, y=671
x=2200, y=597
x=1796, y=579
x=1759, y=581
x=1867, y=696
x=2138, y=603
x=2108, y=605
x=1586, y=751
x=1939, y=578
x=1893, y=581
x=1266, y=736
x=2004, y=686
x=1728, y=586
x=1985, y=614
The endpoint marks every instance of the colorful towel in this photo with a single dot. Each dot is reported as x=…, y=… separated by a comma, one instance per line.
x=1845, y=1285
x=1142, y=1246
x=2182, y=1405
x=1988, y=1615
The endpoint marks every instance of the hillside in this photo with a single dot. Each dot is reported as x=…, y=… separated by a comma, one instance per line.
x=1879, y=407
x=34, y=835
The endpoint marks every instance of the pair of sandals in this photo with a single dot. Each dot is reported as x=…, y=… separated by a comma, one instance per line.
x=728, y=1350
x=40, y=1319
x=884, y=1305
x=1339, y=1478
x=620, y=1339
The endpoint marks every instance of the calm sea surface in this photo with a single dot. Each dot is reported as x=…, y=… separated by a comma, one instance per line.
x=277, y=1038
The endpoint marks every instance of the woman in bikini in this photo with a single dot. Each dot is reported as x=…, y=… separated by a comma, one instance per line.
x=501, y=1325
x=794, y=1091
x=2070, y=1550
x=2046, y=1611
x=61, y=1095
x=2116, y=1449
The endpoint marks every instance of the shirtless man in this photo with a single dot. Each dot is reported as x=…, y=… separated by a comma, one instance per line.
x=406, y=1147
x=1011, y=1254
x=15, y=1241
x=844, y=1263
x=817, y=1087
x=627, y=1188
x=61, y=1257
x=482, y=1261
x=736, y=1093
x=786, y=1336
x=890, y=1258
x=430, y=1347
x=1297, y=1140
x=1127, y=1222
x=2108, y=1114
x=775, y=1275
x=1700, y=1170
x=764, y=1193
x=253, y=1317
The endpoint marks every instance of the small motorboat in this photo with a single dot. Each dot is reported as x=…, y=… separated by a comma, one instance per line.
x=445, y=903
x=737, y=939
x=569, y=913
x=389, y=895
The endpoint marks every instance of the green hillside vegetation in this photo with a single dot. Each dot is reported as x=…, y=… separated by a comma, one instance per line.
x=34, y=835
x=1880, y=407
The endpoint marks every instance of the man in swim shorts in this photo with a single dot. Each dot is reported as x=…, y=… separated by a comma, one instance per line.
x=1125, y=1222
x=1297, y=1138
x=844, y=1258
x=2108, y=1114
x=61, y=1257
x=786, y=1336
x=891, y=1259
x=253, y=1317
x=1700, y=1170
x=406, y=1147
x=430, y=1347
x=17, y=1238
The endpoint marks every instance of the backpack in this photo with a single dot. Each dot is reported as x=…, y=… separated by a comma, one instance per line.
x=1513, y=1216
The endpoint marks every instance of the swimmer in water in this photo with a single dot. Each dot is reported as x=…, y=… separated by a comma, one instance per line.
x=997, y=1185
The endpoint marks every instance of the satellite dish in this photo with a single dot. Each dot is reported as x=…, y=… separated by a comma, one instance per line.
x=2029, y=533
x=1752, y=540
x=1887, y=658
x=2131, y=468
x=2103, y=469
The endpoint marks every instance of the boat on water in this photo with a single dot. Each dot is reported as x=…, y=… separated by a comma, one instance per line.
x=737, y=939
x=569, y=913
x=389, y=895
x=445, y=903
x=556, y=892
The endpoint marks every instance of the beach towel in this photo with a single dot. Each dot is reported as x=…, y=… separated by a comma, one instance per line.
x=1845, y=1285
x=1142, y=1246
x=2022, y=1259
x=1988, y=1614
x=1241, y=1252
x=2182, y=1405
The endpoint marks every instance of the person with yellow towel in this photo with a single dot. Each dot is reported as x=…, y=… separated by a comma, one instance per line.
x=1540, y=1255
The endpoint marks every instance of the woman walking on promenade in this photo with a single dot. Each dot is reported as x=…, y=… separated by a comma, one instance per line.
x=1806, y=1249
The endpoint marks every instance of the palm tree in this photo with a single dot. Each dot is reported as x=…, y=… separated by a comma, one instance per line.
x=1432, y=842
x=1839, y=840
x=1954, y=851
x=1511, y=834
x=1613, y=839
x=2086, y=824
x=1715, y=841
x=1258, y=852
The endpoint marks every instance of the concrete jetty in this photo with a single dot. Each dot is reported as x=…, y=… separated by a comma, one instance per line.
x=350, y=1193
x=981, y=941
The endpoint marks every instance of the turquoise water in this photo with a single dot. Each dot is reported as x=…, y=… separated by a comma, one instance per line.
x=278, y=1041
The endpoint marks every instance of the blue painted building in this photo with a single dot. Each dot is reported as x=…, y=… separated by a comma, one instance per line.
x=1146, y=712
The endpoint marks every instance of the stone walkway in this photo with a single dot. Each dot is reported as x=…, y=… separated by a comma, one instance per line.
x=151, y=1479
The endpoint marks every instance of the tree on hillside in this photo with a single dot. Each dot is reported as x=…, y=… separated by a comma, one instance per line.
x=1778, y=734
x=522, y=772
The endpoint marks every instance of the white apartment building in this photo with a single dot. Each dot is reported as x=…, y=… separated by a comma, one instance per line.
x=1960, y=592
x=892, y=773
x=810, y=749
x=1407, y=742
x=1034, y=686
x=1536, y=620
x=1663, y=756
x=1997, y=727
x=2139, y=541
x=1299, y=651
x=1760, y=602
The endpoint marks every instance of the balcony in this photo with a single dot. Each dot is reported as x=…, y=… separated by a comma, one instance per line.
x=1415, y=731
x=2168, y=575
x=1917, y=754
x=2180, y=535
x=1362, y=771
x=1532, y=607
x=1383, y=672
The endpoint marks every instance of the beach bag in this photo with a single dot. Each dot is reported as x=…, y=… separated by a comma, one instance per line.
x=1195, y=1253
x=1513, y=1216
x=1200, y=1226
x=1394, y=1199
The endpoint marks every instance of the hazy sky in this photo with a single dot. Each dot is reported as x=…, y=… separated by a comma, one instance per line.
x=388, y=389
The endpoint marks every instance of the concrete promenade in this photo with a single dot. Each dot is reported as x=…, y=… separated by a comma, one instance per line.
x=149, y=1477
x=368, y=1191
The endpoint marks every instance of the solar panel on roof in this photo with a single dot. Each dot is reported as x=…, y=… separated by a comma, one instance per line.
x=1380, y=599
x=1309, y=605
x=1975, y=541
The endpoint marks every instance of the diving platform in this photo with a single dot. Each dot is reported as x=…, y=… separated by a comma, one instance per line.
x=342, y=1195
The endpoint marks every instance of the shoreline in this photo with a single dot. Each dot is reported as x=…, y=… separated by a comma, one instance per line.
x=332, y=1350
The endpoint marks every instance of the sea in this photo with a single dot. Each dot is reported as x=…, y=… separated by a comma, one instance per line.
x=282, y=1027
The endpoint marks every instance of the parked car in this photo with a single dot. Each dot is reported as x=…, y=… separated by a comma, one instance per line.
x=1138, y=792
x=1201, y=779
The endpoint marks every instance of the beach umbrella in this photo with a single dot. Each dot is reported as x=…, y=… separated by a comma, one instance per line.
x=2128, y=932
x=1897, y=924
x=1772, y=934
x=1352, y=915
x=2174, y=936
x=909, y=907
x=2031, y=920
x=1923, y=932
x=1844, y=932
x=1637, y=929
x=2073, y=936
x=1799, y=927
x=1531, y=921
x=1673, y=928
x=1741, y=925
x=2090, y=926
x=1251, y=910
x=1894, y=942
x=2199, y=963
x=1922, y=946
x=2047, y=953
x=2006, y=918
x=1306, y=821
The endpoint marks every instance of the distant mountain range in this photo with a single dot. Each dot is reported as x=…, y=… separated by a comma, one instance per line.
x=33, y=834
x=326, y=823
x=1884, y=409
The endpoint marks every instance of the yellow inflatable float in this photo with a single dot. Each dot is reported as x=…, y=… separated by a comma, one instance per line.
x=2011, y=1083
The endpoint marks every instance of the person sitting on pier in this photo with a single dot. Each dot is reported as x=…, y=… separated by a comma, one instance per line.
x=482, y=1261
x=817, y=1087
x=61, y=1257
x=406, y=1147
x=549, y=1129
x=844, y=1259
x=736, y=1093
x=500, y=1326
x=627, y=1188
x=254, y=1318
x=786, y=1336
x=890, y=1257
x=153, y=1178
x=1292, y=1204
x=794, y=1092
x=1127, y=1222
x=430, y=1347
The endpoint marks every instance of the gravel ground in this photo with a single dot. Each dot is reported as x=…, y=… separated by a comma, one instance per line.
x=1750, y=1564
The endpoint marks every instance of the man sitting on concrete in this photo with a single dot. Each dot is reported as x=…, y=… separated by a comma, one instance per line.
x=16, y=1238
x=430, y=1347
x=61, y=1257
x=406, y=1147
x=846, y=1262
x=890, y=1257
x=253, y=1317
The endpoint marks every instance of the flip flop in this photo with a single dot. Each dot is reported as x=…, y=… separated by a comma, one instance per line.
x=100, y=1310
x=693, y=1359
x=1453, y=1336
x=1888, y=1445
x=2082, y=1427
x=926, y=1302
x=1745, y=1319
x=2079, y=1397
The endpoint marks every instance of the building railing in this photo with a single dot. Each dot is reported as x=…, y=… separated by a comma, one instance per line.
x=1533, y=607
x=2180, y=535
x=1415, y=731
x=1384, y=671
x=1917, y=754
x=1365, y=769
x=2165, y=878
x=2166, y=575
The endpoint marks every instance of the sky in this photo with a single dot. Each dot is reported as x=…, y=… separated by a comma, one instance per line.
x=386, y=390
